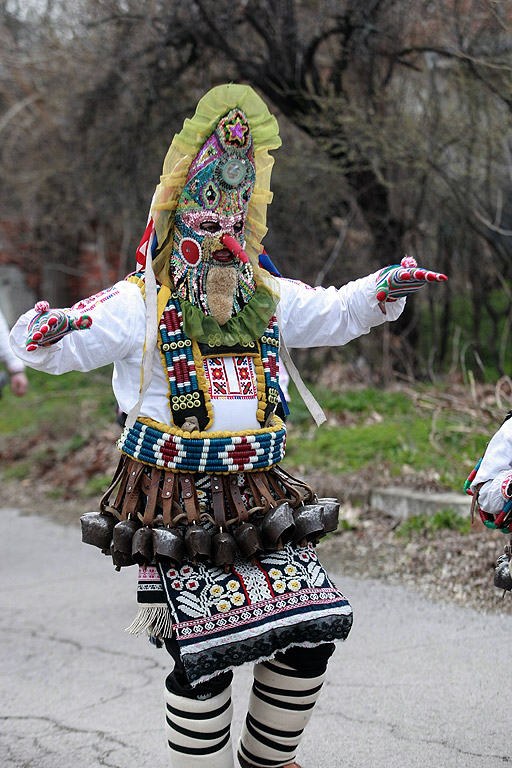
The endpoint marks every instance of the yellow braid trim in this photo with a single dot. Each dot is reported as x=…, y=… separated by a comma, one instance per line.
x=201, y=380
x=199, y=435
x=138, y=281
x=260, y=385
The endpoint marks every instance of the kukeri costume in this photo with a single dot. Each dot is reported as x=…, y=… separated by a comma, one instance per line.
x=224, y=536
x=490, y=484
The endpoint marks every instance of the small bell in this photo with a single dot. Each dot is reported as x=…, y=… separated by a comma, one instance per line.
x=248, y=539
x=309, y=525
x=169, y=546
x=198, y=543
x=142, y=546
x=223, y=550
x=330, y=514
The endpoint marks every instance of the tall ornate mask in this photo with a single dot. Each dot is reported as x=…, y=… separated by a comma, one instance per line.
x=213, y=203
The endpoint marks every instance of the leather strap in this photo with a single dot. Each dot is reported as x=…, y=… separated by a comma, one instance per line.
x=219, y=508
x=282, y=490
x=151, y=499
x=291, y=483
x=188, y=490
x=132, y=497
x=167, y=497
x=237, y=503
x=260, y=490
x=119, y=474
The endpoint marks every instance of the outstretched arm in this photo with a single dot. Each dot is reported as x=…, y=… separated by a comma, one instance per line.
x=316, y=317
x=102, y=329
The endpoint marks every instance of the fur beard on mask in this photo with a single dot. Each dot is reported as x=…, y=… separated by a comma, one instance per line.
x=221, y=285
x=227, y=291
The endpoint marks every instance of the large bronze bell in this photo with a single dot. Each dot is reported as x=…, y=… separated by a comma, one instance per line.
x=309, y=524
x=142, y=546
x=330, y=514
x=97, y=528
x=248, y=539
x=168, y=545
x=502, y=575
x=198, y=542
x=223, y=549
x=278, y=526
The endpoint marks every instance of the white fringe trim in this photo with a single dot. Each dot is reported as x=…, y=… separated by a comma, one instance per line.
x=154, y=620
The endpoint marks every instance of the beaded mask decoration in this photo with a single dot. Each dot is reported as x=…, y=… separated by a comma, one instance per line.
x=214, y=203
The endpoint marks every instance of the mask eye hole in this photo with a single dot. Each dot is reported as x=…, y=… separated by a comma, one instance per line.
x=211, y=226
x=238, y=227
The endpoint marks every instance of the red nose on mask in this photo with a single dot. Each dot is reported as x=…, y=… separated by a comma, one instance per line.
x=235, y=248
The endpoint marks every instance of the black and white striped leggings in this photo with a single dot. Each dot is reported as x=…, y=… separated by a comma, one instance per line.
x=284, y=692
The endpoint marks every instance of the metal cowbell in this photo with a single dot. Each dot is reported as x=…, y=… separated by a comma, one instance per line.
x=97, y=528
x=278, y=526
x=142, y=546
x=330, y=514
x=309, y=525
x=168, y=545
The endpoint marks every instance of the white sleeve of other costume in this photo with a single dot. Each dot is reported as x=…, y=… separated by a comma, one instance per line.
x=321, y=317
x=116, y=333
x=7, y=356
x=494, y=470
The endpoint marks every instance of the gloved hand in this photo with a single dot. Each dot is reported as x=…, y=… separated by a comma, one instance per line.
x=402, y=279
x=50, y=325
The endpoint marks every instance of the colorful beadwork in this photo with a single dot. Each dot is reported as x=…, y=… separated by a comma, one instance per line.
x=219, y=185
x=183, y=363
x=234, y=453
x=270, y=360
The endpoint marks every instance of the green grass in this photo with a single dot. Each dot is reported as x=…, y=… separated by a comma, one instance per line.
x=59, y=406
x=425, y=525
x=18, y=471
x=385, y=431
x=95, y=486
x=379, y=429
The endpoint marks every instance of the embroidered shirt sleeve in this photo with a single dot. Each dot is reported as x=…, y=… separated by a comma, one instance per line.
x=117, y=332
x=312, y=317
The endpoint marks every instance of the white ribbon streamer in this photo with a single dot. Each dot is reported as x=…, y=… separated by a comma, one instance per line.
x=151, y=339
x=311, y=404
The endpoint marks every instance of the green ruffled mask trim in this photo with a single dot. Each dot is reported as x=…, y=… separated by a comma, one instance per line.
x=248, y=325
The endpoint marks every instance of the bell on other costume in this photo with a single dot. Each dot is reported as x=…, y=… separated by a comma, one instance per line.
x=502, y=575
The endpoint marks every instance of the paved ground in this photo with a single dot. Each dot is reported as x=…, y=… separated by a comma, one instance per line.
x=416, y=684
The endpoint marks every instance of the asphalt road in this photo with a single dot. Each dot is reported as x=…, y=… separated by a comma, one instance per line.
x=416, y=684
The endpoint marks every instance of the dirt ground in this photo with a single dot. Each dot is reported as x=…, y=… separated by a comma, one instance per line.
x=444, y=565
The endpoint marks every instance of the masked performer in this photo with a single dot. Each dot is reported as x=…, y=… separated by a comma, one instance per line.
x=224, y=537
x=490, y=484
